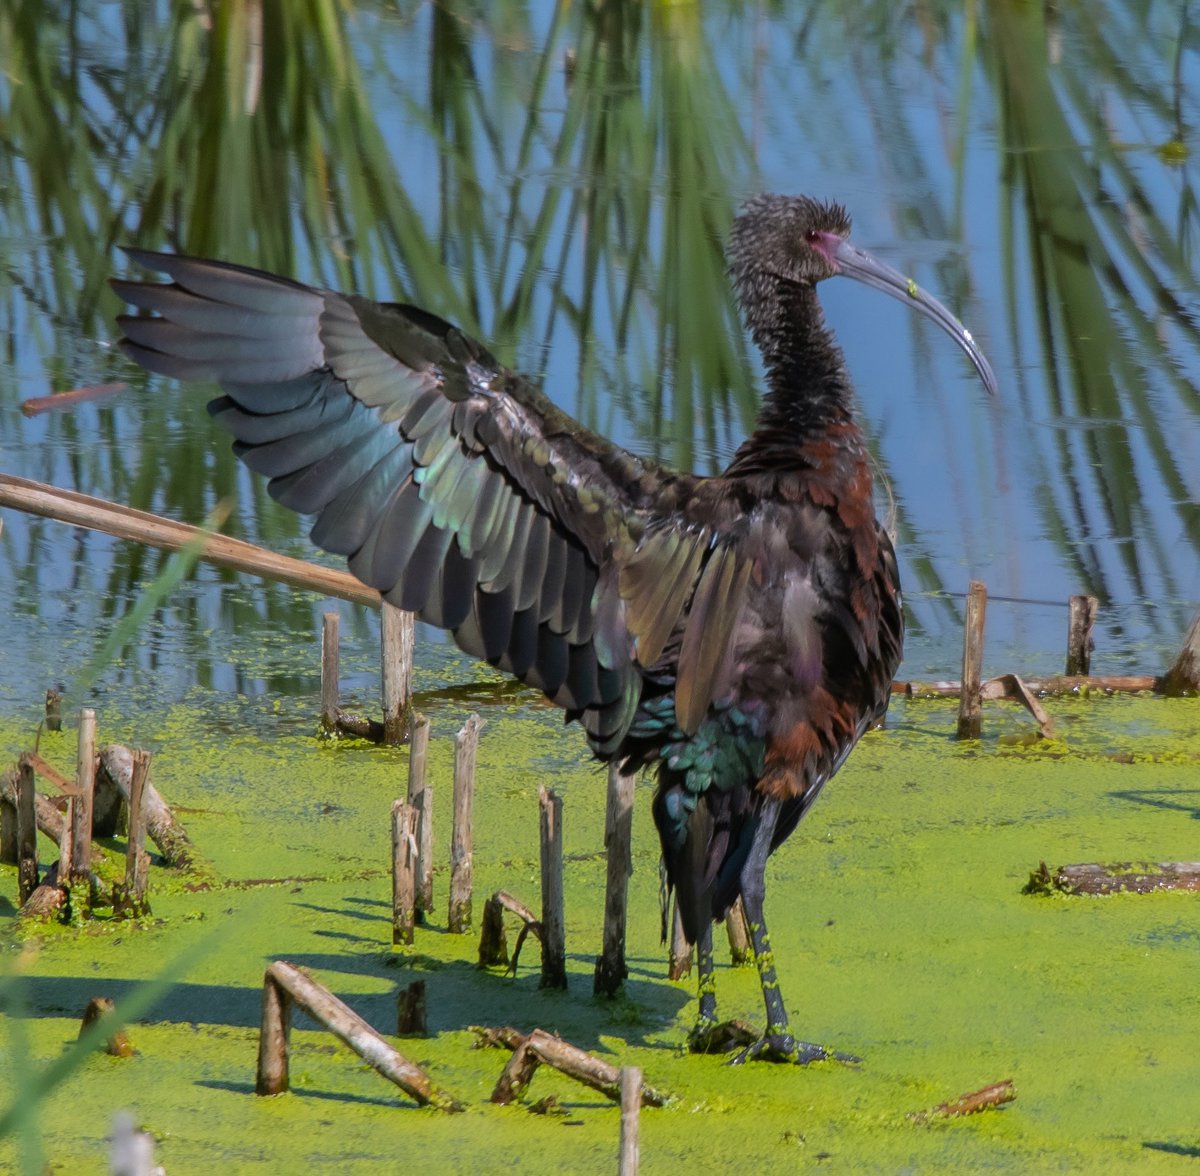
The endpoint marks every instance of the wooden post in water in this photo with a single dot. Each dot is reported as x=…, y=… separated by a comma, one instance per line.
x=1081, y=616
x=680, y=964
x=137, y=861
x=420, y=796
x=1184, y=675
x=272, y=1077
x=970, y=710
x=54, y=709
x=27, y=867
x=618, y=842
x=404, y=871
x=411, y=1012
x=462, y=844
x=631, y=1105
x=330, y=670
x=399, y=635
x=554, y=951
x=85, y=781
x=737, y=928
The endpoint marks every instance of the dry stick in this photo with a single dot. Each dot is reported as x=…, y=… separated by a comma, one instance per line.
x=461, y=845
x=529, y=921
x=1081, y=617
x=404, y=871
x=570, y=1060
x=399, y=636
x=680, y=964
x=554, y=949
x=37, y=404
x=420, y=796
x=970, y=1104
x=54, y=709
x=27, y=867
x=49, y=819
x=161, y=826
x=81, y=510
x=1055, y=684
x=1011, y=686
x=293, y=987
x=330, y=624
x=737, y=927
x=610, y=970
x=81, y=805
x=410, y=1011
x=1184, y=675
x=970, y=713
x=631, y=1103
x=1118, y=877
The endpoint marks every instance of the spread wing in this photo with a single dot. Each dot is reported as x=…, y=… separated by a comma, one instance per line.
x=453, y=485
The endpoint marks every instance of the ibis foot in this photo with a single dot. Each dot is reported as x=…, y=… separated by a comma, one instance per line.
x=714, y=1037
x=783, y=1047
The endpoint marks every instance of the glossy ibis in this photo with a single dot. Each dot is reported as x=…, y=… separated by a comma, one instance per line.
x=736, y=633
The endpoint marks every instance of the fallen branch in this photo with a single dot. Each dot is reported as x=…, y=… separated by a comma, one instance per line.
x=1117, y=878
x=1057, y=684
x=58, y=400
x=986, y=1099
x=1010, y=686
x=161, y=826
x=285, y=985
x=540, y=1047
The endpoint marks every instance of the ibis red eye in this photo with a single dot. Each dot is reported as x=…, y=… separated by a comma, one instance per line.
x=812, y=236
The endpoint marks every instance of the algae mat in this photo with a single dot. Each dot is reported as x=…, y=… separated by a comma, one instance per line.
x=898, y=921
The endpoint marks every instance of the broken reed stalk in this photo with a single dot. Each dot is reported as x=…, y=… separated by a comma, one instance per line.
x=398, y=637
x=404, y=871
x=970, y=712
x=610, y=970
x=411, y=1011
x=284, y=986
x=493, y=944
x=161, y=826
x=542, y=1047
x=461, y=843
x=1081, y=617
x=554, y=949
x=1116, y=878
x=1184, y=675
x=420, y=796
x=680, y=964
x=630, y=1080
x=741, y=950
x=81, y=805
x=27, y=866
x=132, y=900
x=330, y=670
x=96, y=514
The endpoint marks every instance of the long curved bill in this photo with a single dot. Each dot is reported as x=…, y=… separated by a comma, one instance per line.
x=855, y=263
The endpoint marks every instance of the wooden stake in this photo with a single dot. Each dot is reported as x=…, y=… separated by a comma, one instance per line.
x=330, y=670
x=27, y=867
x=98, y=1008
x=741, y=951
x=618, y=842
x=85, y=782
x=420, y=796
x=970, y=713
x=1184, y=675
x=462, y=846
x=493, y=946
x=554, y=951
x=54, y=709
x=161, y=826
x=410, y=1011
x=1081, y=616
x=631, y=1104
x=404, y=871
x=680, y=964
x=399, y=635
x=284, y=986
x=132, y=901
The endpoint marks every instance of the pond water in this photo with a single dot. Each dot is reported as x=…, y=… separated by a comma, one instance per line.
x=559, y=179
